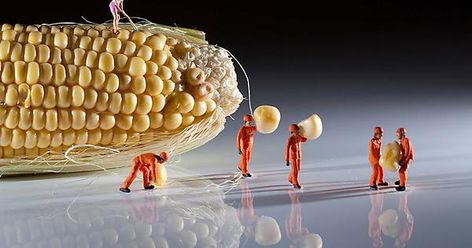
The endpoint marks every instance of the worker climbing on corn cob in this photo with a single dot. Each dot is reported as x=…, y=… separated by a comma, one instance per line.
x=116, y=7
x=407, y=156
x=244, y=143
x=146, y=163
x=375, y=144
x=293, y=154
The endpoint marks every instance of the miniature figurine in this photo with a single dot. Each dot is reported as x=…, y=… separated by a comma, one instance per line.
x=146, y=163
x=116, y=7
x=375, y=145
x=293, y=154
x=407, y=156
x=244, y=144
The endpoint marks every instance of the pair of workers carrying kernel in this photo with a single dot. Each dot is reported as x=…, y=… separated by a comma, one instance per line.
x=406, y=157
x=293, y=152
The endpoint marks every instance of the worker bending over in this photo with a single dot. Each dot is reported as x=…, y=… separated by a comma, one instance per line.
x=146, y=163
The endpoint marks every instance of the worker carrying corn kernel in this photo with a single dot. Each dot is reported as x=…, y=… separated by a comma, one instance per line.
x=293, y=154
x=375, y=145
x=407, y=156
x=146, y=163
x=244, y=143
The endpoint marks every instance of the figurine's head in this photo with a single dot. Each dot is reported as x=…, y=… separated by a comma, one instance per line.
x=401, y=132
x=294, y=128
x=378, y=132
x=162, y=157
x=248, y=119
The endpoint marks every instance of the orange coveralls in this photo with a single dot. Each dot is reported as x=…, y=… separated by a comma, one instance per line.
x=293, y=154
x=407, y=156
x=244, y=144
x=374, y=156
x=146, y=163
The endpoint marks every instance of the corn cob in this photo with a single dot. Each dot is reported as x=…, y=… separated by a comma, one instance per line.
x=80, y=85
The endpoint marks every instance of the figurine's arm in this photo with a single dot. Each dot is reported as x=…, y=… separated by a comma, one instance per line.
x=238, y=139
x=371, y=148
x=303, y=139
x=412, y=153
x=408, y=153
x=153, y=171
x=287, y=150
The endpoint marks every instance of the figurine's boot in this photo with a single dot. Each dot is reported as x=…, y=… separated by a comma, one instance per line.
x=149, y=187
x=297, y=186
x=125, y=190
x=373, y=187
x=247, y=175
x=397, y=182
x=400, y=188
x=382, y=184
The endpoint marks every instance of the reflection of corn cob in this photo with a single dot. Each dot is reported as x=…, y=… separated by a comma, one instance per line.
x=150, y=221
x=67, y=85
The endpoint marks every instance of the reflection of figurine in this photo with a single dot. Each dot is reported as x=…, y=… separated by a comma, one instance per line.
x=293, y=224
x=375, y=145
x=406, y=221
x=246, y=213
x=374, y=231
x=145, y=210
x=299, y=235
x=146, y=163
x=244, y=144
x=264, y=229
x=397, y=224
x=406, y=158
x=293, y=154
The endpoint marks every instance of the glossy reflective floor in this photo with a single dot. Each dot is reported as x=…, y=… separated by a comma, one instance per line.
x=222, y=210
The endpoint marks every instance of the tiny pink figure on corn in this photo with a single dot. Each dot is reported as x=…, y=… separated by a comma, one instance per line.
x=116, y=6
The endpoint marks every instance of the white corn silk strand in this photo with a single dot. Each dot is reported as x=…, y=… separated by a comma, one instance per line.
x=245, y=76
